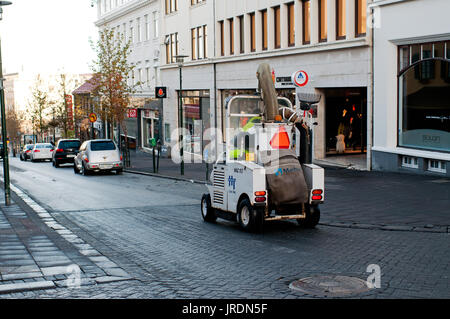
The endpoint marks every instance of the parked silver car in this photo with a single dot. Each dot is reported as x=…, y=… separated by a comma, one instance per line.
x=96, y=156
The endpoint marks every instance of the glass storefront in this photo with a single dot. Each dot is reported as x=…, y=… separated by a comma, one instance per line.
x=150, y=127
x=196, y=119
x=424, y=98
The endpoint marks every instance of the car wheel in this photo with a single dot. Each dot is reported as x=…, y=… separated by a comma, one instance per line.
x=250, y=218
x=56, y=164
x=312, y=218
x=119, y=171
x=21, y=158
x=75, y=168
x=84, y=171
x=208, y=213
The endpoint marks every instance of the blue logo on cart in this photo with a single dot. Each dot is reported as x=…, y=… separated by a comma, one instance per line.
x=232, y=182
x=281, y=172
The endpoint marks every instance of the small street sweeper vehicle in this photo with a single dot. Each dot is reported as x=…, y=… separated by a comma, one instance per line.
x=265, y=173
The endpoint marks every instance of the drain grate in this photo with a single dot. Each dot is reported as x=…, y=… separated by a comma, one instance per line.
x=330, y=286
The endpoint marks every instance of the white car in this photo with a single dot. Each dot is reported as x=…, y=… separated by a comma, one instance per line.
x=42, y=152
x=96, y=156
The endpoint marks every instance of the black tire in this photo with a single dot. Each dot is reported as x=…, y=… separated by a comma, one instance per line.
x=250, y=218
x=56, y=164
x=119, y=171
x=312, y=213
x=75, y=169
x=208, y=213
x=84, y=171
x=21, y=158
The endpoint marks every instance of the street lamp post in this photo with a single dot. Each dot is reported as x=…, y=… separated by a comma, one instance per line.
x=4, y=132
x=180, y=60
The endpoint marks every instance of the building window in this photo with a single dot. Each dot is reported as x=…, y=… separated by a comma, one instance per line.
x=231, y=30
x=340, y=19
x=131, y=35
x=171, y=6
x=194, y=43
x=171, y=47
x=306, y=22
x=147, y=27
x=147, y=76
x=361, y=17
x=291, y=24
x=199, y=43
x=155, y=24
x=138, y=24
x=277, y=25
x=252, y=32
x=322, y=20
x=437, y=166
x=424, y=92
x=410, y=162
x=264, y=29
x=222, y=39
x=241, y=34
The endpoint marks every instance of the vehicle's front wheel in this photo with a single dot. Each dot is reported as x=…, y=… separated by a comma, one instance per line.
x=208, y=213
x=250, y=218
x=312, y=218
x=21, y=158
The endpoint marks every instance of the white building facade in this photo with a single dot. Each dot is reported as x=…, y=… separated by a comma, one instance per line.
x=224, y=41
x=138, y=21
x=412, y=86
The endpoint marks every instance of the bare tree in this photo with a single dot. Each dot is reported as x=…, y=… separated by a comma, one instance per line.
x=38, y=107
x=112, y=71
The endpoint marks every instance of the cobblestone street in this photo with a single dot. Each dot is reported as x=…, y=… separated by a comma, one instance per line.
x=163, y=249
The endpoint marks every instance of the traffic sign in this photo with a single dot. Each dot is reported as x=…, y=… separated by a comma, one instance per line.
x=300, y=78
x=93, y=117
x=132, y=113
x=161, y=92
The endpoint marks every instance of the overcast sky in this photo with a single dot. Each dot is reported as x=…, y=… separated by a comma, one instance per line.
x=47, y=36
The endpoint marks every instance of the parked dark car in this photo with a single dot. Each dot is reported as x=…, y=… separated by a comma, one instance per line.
x=25, y=153
x=65, y=151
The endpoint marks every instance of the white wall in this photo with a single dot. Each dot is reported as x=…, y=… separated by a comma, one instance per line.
x=412, y=21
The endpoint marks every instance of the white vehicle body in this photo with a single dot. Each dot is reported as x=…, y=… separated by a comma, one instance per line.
x=243, y=175
x=91, y=158
x=42, y=151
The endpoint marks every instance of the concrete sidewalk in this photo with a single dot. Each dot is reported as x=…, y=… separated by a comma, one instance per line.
x=354, y=198
x=36, y=252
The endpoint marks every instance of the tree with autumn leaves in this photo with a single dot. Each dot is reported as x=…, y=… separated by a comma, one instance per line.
x=111, y=78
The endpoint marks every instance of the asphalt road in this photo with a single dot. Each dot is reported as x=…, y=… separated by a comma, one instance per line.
x=60, y=189
x=152, y=228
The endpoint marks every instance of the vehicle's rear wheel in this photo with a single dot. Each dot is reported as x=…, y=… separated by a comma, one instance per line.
x=84, y=171
x=250, y=218
x=312, y=218
x=21, y=158
x=119, y=171
x=75, y=168
x=208, y=212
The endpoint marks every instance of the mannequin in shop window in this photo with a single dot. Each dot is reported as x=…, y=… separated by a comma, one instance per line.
x=344, y=134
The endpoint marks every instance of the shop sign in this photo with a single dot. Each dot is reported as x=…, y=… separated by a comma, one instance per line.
x=132, y=113
x=284, y=81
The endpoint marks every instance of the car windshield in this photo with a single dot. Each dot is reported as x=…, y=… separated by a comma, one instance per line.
x=103, y=146
x=69, y=144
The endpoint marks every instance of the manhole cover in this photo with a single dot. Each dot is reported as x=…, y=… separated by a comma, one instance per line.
x=330, y=286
